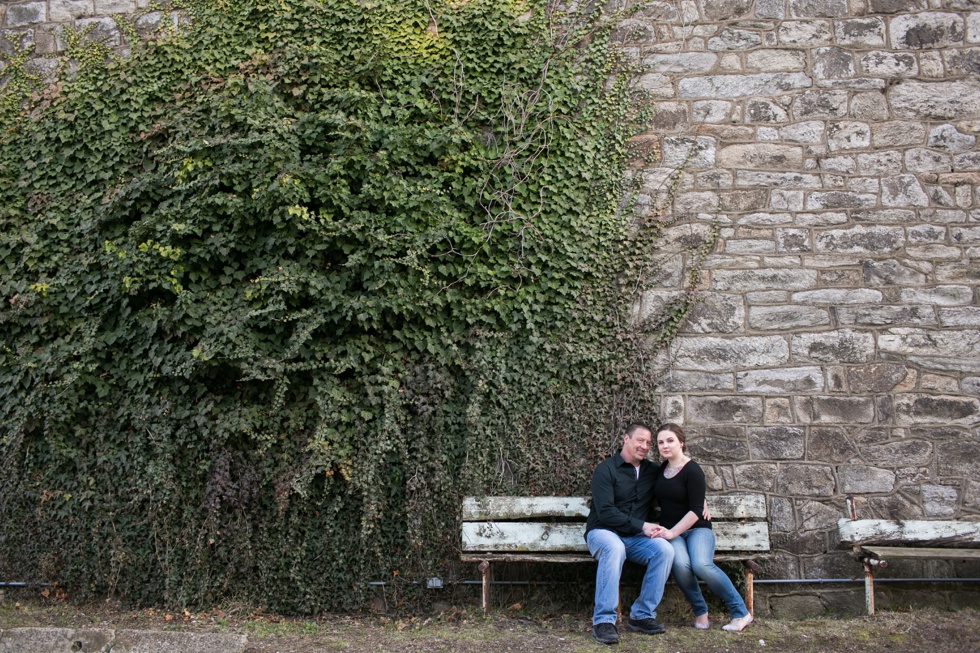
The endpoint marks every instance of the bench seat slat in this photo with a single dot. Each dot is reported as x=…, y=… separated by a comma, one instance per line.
x=538, y=537
x=931, y=553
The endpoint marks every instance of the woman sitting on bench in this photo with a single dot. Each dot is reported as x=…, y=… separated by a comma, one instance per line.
x=680, y=491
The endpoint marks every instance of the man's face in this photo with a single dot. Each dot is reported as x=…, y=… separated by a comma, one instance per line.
x=636, y=446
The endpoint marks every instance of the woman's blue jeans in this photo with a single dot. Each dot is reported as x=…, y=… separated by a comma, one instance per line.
x=611, y=551
x=694, y=552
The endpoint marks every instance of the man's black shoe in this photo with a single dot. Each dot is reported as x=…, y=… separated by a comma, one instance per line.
x=606, y=633
x=648, y=626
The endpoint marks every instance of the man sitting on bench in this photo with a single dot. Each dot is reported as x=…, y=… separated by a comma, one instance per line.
x=617, y=530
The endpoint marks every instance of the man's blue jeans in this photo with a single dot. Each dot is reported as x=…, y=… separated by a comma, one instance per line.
x=611, y=551
x=694, y=552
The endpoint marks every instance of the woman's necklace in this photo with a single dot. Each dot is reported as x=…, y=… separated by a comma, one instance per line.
x=672, y=471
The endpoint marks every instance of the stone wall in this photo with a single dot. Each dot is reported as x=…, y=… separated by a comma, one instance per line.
x=836, y=349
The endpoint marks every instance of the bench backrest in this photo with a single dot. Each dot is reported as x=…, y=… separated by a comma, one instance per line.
x=851, y=532
x=557, y=524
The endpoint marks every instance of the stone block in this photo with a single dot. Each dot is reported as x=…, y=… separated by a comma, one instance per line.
x=833, y=63
x=732, y=38
x=739, y=201
x=966, y=316
x=875, y=378
x=705, y=445
x=903, y=190
x=946, y=100
x=838, y=296
x=64, y=11
x=899, y=454
x=776, y=443
x=755, y=476
x=808, y=131
x=780, y=381
x=864, y=479
x=716, y=313
x=920, y=160
x=898, y=134
x=938, y=295
x=938, y=383
x=818, y=8
x=962, y=343
x=973, y=27
x=747, y=246
x=933, y=252
x=860, y=239
x=656, y=85
x=793, y=241
x=782, y=518
x=712, y=111
x=958, y=458
x=842, y=346
x=697, y=202
x=802, y=543
x=927, y=234
x=803, y=480
x=101, y=30
x=28, y=13
x=682, y=381
x=766, y=60
x=714, y=354
x=895, y=506
x=820, y=104
x=779, y=410
x=966, y=235
x=670, y=116
x=688, y=153
x=827, y=219
x=719, y=10
x=784, y=180
x=861, y=33
x=963, y=272
x=948, y=138
x=804, y=33
x=818, y=201
x=889, y=64
x=780, y=318
x=716, y=410
x=817, y=516
x=915, y=409
x=962, y=61
x=971, y=385
x=762, y=110
x=926, y=31
x=880, y=163
x=761, y=156
x=967, y=161
x=829, y=444
x=716, y=179
x=684, y=63
x=897, y=6
x=735, y=86
x=764, y=279
x=764, y=219
x=835, y=410
x=871, y=106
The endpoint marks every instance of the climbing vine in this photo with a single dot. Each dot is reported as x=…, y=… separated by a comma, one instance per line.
x=289, y=280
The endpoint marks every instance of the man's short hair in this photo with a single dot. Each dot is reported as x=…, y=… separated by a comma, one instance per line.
x=637, y=426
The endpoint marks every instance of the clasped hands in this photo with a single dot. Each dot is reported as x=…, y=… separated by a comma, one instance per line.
x=656, y=530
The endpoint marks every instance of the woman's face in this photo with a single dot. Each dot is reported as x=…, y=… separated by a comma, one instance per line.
x=669, y=445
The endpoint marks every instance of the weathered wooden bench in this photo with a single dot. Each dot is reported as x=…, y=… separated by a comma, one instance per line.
x=552, y=529
x=874, y=542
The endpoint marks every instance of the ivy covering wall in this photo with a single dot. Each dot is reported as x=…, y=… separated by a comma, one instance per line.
x=284, y=284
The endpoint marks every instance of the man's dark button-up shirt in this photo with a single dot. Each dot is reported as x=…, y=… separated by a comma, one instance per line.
x=620, y=499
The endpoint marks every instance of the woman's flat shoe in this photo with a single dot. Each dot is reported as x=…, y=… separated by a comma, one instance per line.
x=738, y=624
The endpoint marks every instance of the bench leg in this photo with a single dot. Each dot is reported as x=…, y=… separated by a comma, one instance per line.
x=869, y=588
x=485, y=572
x=749, y=590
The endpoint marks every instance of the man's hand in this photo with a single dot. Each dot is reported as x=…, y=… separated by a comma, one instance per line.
x=651, y=530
